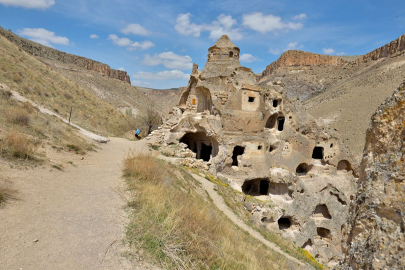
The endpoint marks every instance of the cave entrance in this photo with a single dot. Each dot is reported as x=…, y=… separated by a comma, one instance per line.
x=284, y=223
x=206, y=151
x=317, y=153
x=275, y=103
x=303, y=169
x=344, y=165
x=280, y=121
x=204, y=146
x=323, y=232
x=237, y=151
x=256, y=187
x=272, y=121
x=321, y=211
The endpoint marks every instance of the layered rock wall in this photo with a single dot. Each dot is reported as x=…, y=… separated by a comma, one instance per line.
x=376, y=228
x=52, y=54
x=296, y=58
x=388, y=50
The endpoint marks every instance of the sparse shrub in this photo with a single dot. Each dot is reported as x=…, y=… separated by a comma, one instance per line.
x=149, y=118
x=128, y=112
x=74, y=147
x=6, y=94
x=18, y=116
x=68, y=96
x=16, y=145
x=17, y=78
x=6, y=192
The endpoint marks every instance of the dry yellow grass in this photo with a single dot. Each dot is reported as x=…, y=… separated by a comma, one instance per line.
x=47, y=87
x=180, y=228
x=16, y=145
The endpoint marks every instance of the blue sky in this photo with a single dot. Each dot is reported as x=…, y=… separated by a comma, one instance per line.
x=156, y=42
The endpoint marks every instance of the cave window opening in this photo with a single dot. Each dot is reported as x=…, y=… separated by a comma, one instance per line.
x=280, y=121
x=237, y=151
x=275, y=103
x=259, y=147
x=317, y=153
x=323, y=232
x=230, y=54
x=344, y=165
x=202, y=145
x=251, y=99
x=272, y=148
x=256, y=187
x=303, y=169
x=322, y=211
x=272, y=121
x=284, y=223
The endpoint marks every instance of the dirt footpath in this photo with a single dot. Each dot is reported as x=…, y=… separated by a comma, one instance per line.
x=71, y=219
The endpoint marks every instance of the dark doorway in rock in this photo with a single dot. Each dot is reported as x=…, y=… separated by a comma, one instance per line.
x=251, y=99
x=344, y=165
x=323, y=232
x=272, y=121
x=264, y=187
x=317, y=153
x=321, y=211
x=284, y=223
x=206, y=151
x=230, y=54
x=272, y=148
x=256, y=187
x=237, y=151
x=275, y=103
x=303, y=169
x=280, y=121
x=201, y=144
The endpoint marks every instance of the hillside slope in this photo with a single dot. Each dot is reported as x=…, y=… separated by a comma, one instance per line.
x=340, y=92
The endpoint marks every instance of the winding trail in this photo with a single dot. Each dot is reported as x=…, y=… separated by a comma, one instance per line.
x=219, y=202
x=71, y=219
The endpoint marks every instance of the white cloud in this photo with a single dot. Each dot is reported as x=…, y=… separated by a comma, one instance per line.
x=224, y=25
x=137, y=29
x=328, y=51
x=35, y=4
x=274, y=51
x=163, y=75
x=121, y=68
x=126, y=42
x=139, y=83
x=341, y=53
x=94, y=36
x=43, y=36
x=169, y=60
x=290, y=46
x=267, y=23
x=246, y=57
x=300, y=16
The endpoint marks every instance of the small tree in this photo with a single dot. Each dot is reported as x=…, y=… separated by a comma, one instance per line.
x=149, y=117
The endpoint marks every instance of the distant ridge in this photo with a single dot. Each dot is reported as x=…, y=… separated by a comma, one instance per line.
x=39, y=50
x=394, y=48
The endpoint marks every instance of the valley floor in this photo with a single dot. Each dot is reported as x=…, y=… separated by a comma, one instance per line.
x=70, y=219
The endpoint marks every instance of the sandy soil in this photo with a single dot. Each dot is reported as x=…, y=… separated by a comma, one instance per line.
x=71, y=219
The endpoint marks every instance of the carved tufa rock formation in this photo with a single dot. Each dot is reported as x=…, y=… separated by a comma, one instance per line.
x=295, y=58
x=265, y=146
x=39, y=50
x=376, y=229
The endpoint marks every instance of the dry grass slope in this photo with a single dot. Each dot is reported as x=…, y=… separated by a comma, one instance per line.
x=47, y=87
x=180, y=228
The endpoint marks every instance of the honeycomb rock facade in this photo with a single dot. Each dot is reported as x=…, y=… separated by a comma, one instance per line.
x=265, y=146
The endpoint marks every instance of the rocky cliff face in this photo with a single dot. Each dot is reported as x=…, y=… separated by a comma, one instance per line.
x=388, y=50
x=52, y=54
x=376, y=229
x=296, y=58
